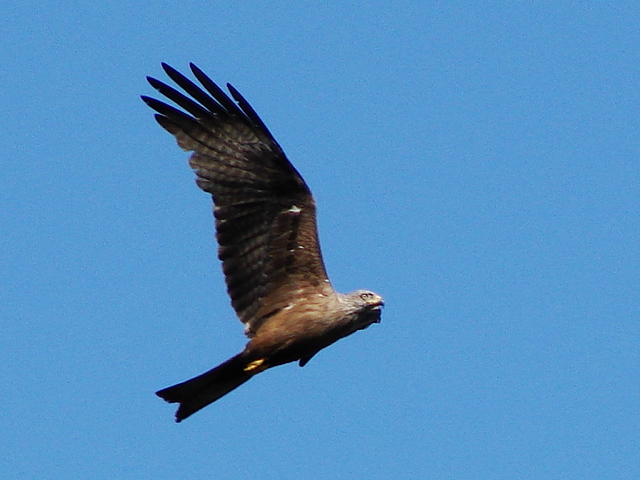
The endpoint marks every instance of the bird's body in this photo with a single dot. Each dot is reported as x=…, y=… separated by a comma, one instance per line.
x=268, y=242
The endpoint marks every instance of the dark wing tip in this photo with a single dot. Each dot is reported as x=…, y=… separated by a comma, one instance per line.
x=167, y=68
x=248, y=110
x=175, y=75
x=216, y=92
x=195, y=69
x=234, y=104
x=154, y=82
x=157, y=105
x=151, y=102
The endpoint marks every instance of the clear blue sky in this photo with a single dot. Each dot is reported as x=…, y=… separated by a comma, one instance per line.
x=477, y=163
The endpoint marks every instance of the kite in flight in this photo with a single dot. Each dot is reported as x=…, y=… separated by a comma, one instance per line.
x=268, y=243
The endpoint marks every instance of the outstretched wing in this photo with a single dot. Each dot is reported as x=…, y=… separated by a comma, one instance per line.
x=265, y=213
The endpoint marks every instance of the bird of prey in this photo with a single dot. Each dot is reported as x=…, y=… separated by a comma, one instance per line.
x=268, y=243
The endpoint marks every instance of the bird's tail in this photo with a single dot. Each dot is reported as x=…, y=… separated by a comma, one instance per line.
x=204, y=389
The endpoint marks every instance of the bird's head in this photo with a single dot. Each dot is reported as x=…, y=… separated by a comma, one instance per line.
x=365, y=306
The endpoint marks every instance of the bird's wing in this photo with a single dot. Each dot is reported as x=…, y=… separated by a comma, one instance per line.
x=265, y=213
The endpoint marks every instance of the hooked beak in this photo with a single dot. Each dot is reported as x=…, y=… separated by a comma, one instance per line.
x=377, y=301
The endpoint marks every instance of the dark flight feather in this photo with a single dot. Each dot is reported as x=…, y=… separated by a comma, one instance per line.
x=256, y=192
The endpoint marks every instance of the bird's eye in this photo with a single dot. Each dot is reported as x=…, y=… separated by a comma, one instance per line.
x=365, y=296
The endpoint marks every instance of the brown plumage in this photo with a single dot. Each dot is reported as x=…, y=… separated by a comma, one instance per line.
x=268, y=241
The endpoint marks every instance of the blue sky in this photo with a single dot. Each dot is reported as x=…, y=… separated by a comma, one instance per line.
x=476, y=163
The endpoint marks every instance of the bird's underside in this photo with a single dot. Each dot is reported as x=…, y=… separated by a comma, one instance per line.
x=266, y=232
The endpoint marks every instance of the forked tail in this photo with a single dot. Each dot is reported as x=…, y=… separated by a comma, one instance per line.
x=204, y=389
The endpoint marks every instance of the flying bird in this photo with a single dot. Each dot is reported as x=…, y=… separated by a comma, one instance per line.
x=265, y=220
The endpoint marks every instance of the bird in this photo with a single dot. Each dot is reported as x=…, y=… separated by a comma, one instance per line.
x=265, y=222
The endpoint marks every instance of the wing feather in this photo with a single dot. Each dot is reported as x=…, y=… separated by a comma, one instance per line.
x=265, y=213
